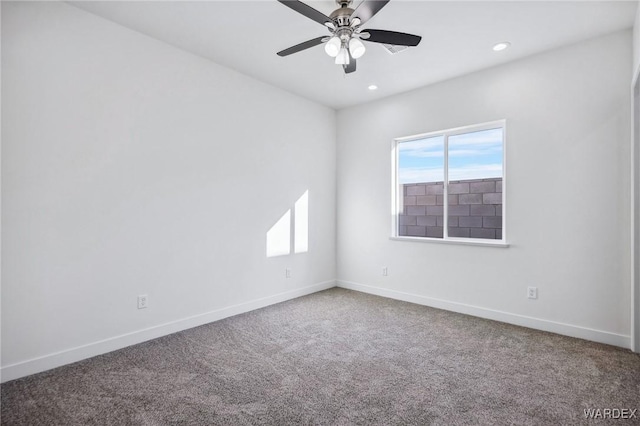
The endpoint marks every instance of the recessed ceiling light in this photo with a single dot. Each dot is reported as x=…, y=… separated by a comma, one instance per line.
x=501, y=46
x=373, y=87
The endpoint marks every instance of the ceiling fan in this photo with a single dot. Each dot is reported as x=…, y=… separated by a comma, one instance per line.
x=345, y=25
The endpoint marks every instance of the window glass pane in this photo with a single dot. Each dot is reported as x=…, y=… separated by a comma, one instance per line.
x=420, y=181
x=475, y=185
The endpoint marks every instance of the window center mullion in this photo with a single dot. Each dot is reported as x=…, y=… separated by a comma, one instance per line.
x=445, y=190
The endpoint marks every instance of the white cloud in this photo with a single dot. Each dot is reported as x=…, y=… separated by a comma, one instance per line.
x=475, y=139
x=470, y=144
x=476, y=171
x=432, y=147
x=474, y=152
x=418, y=174
x=471, y=171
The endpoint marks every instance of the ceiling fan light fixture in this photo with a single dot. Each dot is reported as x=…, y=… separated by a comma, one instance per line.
x=356, y=47
x=343, y=57
x=332, y=47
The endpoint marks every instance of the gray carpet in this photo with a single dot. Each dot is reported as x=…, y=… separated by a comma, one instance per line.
x=336, y=357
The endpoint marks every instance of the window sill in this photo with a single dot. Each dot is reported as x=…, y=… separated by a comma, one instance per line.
x=466, y=241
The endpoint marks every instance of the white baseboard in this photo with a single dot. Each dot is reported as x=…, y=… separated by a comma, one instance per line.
x=521, y=320
x=47, y=362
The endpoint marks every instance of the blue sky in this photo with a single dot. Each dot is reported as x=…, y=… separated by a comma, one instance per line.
x=476, y=155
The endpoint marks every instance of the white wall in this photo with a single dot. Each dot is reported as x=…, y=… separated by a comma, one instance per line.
x=636, y=40
x=568, y=194
x=635, y=214
x=636, y=187
x=130, y=167
x=0, y=196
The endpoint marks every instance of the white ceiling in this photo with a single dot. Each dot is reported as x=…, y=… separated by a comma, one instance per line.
x=456, y=38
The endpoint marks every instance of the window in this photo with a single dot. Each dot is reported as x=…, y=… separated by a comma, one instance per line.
x=448, y=185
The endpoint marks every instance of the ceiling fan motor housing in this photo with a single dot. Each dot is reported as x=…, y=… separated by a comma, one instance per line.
x=342, y=17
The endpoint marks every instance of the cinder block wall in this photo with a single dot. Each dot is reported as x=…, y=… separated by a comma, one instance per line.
x=475, y=209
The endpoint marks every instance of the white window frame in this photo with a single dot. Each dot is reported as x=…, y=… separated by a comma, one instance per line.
x=396, y=201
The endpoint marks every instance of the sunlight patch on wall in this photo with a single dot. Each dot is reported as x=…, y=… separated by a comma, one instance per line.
x=301, y=229
x=291, y=230
x=279, y=237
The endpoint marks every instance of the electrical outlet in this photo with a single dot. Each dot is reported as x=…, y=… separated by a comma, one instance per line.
x=385, y=271
x=287, y=273
x=532, y=292
x=142, y=301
